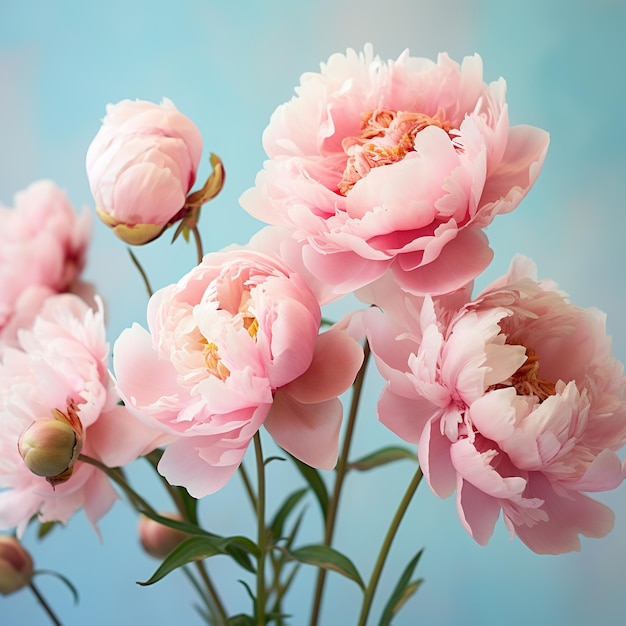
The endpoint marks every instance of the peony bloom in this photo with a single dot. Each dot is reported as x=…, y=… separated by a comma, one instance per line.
x=513, y=399
x=16, y=565
x=232, y=346
x=395, y=165
x=59, y=373
x=141, y=165
x=43, y=245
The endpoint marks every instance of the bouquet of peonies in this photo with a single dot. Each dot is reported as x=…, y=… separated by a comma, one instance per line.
x=380, y=180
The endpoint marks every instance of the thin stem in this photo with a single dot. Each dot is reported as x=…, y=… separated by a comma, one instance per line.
x=47, y=608
x=198, y=240
x=342, y=468
x=386, y=545
x=117, y=475
x=248, y=486
x=213, y=595
x=261, y=534
x=216, y=605
x=144, y=276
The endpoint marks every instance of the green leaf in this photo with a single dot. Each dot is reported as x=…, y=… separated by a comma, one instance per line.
x=45, y=528
x=241, y=620
x=198, y=548
x=185, y=527
x=282, y=514
x=269, y=459
x=314, y=479
x=327, y=558
x=190, y=504
x=404, y=589
x=382, y=457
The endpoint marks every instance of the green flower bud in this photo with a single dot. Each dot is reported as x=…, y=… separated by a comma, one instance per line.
x=50, y=447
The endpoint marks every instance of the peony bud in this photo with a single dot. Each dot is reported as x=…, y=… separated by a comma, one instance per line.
x=141, y=165
x=159, y=540
x=16, y=565
x=50, y=446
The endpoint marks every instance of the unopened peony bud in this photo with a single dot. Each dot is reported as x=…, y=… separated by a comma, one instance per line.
x=159, y=540
x=141, y=165
x=16, y=565
x=50, y=447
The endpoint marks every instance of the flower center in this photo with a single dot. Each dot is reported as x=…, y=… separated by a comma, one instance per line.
x=526, y=379
x=387, y=136
x=214, y=363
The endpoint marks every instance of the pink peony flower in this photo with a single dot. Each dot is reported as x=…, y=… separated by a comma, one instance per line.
x=232, y=346
x=513, y=399
x=61, y=368
x=141, y=165
x=394, y=165
x=43, y=244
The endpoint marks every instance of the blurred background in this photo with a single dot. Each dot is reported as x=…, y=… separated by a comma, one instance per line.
x=227, y=65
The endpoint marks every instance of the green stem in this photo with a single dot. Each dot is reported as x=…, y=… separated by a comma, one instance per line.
x=215, y=602
x=47, y=608
x=218, y=607
x=342, y=468
x=386, y=545
x=144, y=276
x=261, y=533
x=248, y=486
x=117, y=475
x=198, y=240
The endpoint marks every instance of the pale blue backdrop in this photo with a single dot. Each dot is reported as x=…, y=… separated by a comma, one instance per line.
x=228, y=65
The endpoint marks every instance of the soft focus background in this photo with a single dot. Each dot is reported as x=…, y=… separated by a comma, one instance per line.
x=227, y=65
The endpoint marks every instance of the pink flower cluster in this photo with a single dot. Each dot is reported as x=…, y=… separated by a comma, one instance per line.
x=43, y=246
x=380, y=180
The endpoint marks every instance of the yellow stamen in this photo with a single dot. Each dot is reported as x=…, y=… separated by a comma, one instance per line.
x=213, y=361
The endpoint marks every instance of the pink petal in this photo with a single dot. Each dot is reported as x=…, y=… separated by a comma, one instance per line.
x=475, y=467
x=183, y=464
x=459, y=262
x=524, y=155
x=119, y=438
x=347, y=271
x=310, y=432
x=478, y=511
x=568, y=516
x=434, y=456
x=406, y=417
x=144, y=381
x=336, y=361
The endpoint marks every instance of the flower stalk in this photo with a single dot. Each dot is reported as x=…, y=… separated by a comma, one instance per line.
x=342, y=469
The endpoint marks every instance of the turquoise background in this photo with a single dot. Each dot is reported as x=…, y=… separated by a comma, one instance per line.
x=227, y=65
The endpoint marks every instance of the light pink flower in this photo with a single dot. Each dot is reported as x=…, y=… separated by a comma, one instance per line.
x=141, y=165
x=513, y=399
x=62, y=365
x=43, y=245
x=395, y=165
x=234, y=345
